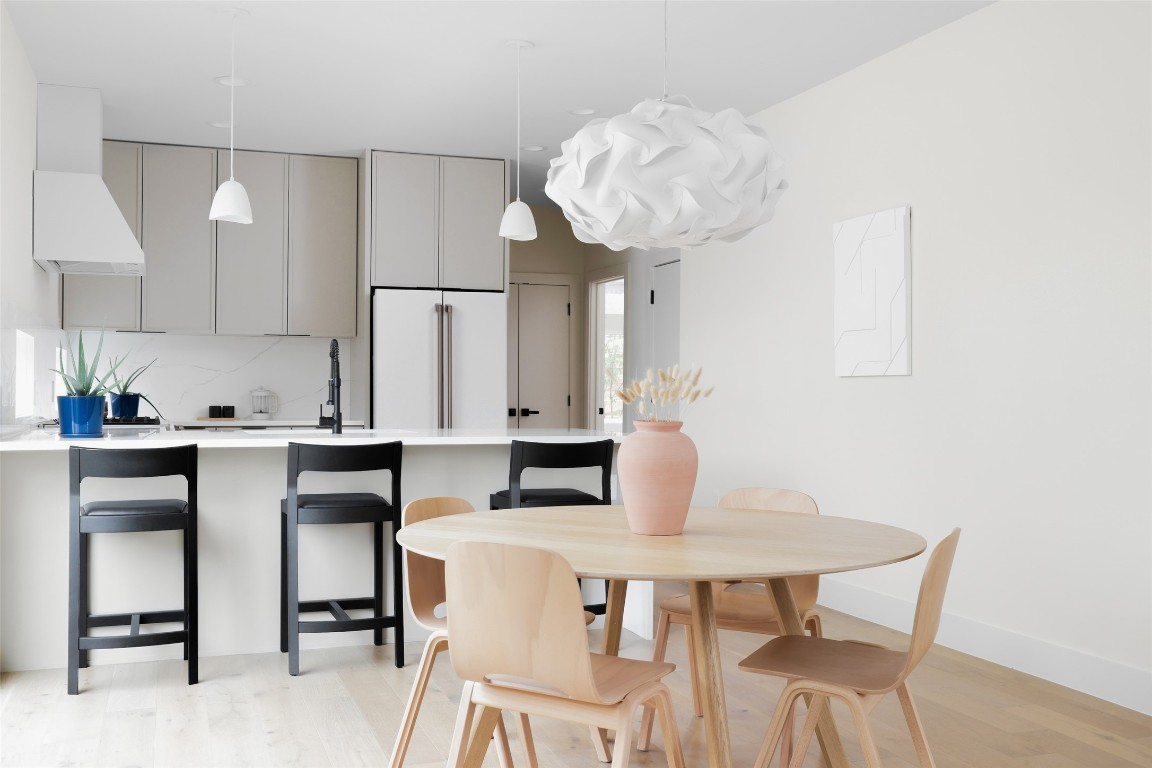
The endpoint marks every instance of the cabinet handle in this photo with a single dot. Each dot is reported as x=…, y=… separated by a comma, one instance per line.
x=526, y=412
x=448, y=376
x=439, y=366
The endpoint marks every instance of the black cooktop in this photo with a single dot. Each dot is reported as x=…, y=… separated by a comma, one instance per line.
x=145, y=420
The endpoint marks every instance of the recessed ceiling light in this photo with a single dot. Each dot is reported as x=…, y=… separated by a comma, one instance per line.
x=584, y=111
x=533, y=147
x=227, y=80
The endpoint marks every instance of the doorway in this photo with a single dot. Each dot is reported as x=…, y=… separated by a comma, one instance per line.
x=606, y=309
x=539, y=351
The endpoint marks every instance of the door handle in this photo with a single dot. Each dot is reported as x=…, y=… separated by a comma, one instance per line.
x=526, y=412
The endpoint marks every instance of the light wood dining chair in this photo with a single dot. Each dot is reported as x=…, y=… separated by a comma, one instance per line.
x=424, y=588
x=516, y=620
x=740, y=606
x=860, y=674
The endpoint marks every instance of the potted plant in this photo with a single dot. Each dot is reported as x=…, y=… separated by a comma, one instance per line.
x=82, y=409
x=123, y=402
x=657, y=463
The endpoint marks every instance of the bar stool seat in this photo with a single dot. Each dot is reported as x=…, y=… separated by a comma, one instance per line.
x=544, y=497
x=333, y=509
x=126, y=516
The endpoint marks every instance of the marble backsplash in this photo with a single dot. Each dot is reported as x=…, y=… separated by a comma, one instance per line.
x=190, y=372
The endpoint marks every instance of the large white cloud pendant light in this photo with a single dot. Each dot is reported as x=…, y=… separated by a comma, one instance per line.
x=231, y=200
x=517, y=222
x=666, y=175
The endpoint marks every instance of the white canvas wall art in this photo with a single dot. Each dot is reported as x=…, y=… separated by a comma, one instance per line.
x=873, y=259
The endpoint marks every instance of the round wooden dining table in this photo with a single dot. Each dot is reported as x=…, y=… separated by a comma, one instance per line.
x=717, y=545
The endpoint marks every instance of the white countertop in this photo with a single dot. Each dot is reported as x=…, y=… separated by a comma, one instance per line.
x=151, y=437
x=253, y=423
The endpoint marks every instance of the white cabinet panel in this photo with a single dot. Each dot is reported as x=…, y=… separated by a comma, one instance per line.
x=111, y=302
x=178, y=284
x=472, y=204
x=322, y=246
x=477, y=380
x=405, y=205
x=252, y=259
x=405, y=374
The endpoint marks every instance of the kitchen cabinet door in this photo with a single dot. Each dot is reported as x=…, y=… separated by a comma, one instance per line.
x=405, y=210
x=111, y=302
x=252, y=259
x=473, y=198
x=322, y=236
x=178, y=282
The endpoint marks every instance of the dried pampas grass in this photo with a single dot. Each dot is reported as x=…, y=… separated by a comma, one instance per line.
x=659, y=390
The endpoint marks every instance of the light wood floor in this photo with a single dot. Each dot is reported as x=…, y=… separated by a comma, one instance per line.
x=345, y=708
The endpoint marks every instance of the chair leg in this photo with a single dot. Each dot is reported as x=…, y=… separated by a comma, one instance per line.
x=527, y=740
x=672, y=748
x=378, y=579
x=192, y=601
x=915, y=727
x=436, y=643
x=292, y=555
x=815, y=625
x=482, y=736
x=74, y=586
x=697, y=700
x=811, y=721
x=864, y=732
x=462, y=731
x=776, y=727
x=398, y=595
x=659, y=651
x=600, y=743
x=503, y=749
x=85, y=592
x=622, y=746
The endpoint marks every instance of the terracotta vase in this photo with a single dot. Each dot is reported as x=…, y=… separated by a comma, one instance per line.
x=657, y=465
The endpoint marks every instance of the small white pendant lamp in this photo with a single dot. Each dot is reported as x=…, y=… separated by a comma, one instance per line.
x=231, y=200
x=517, y=223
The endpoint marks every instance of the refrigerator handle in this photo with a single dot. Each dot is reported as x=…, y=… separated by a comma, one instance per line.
x=448, y=357
x=439, y=366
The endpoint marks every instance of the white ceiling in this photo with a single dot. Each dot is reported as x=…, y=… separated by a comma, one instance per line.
x=336, y=77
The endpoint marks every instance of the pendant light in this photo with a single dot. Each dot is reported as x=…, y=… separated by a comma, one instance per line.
x=231, y=200
x=666, y=175
x=517, y=223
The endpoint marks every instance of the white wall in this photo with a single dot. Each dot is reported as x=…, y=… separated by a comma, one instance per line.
x=29, y=296
x=1020, y=137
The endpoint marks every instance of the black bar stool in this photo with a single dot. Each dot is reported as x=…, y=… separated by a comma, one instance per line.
x=125, y=517
x=336, y=508
x=556, y=456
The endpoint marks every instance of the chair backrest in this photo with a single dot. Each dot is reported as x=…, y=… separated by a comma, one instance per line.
x=179, y=460
x=424, y=582
x=516, y=618
x=309, y=457
x=561, y=456
x=805, y=589
x=931, y=600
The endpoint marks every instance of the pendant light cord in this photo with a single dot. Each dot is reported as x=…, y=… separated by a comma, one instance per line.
x=518, y=123
x=665, y=96
x=232, y=109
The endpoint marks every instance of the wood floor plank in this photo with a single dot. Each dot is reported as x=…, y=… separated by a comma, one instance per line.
x=344, y=710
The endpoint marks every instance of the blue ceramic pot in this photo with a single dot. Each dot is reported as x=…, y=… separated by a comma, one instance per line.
x=124, y=406
x=81, y=416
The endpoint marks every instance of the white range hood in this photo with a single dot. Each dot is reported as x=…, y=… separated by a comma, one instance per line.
x=77, y=227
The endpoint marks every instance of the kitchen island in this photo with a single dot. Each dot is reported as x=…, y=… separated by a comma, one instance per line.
x=242, y=477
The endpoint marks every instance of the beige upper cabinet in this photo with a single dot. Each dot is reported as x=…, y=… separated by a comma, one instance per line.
x=252, y=259
x=178, y=283
x=111, y=302
x=322, y=205
x=472, y=201
x=435, y=222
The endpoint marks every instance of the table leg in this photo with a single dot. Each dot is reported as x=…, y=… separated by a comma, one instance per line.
x=826, y=733
x=710, y=680
x=613, y=617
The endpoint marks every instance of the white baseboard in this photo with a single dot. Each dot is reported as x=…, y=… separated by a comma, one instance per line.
x=1121, y=684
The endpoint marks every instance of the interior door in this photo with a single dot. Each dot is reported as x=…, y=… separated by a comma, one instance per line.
x=543, y=356
x=666, y=318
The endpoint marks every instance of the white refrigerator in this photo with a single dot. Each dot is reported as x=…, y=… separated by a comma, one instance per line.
x=439, y=359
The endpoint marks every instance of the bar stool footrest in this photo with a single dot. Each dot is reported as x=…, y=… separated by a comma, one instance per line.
x=124, y=619
x=351, y=625
x=133, y=641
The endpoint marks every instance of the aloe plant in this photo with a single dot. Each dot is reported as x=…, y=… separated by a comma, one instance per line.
x=123, y=385
x=84, y=381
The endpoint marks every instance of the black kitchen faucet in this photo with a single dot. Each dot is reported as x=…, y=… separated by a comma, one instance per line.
x=336, y=420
